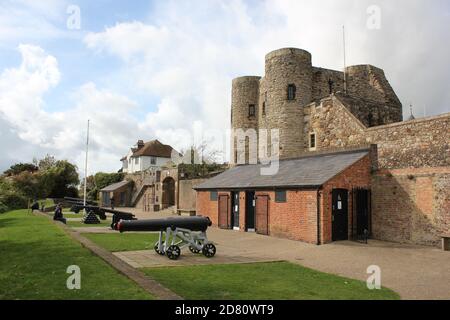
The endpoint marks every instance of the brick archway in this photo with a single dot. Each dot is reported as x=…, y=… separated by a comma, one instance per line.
x=168, y=192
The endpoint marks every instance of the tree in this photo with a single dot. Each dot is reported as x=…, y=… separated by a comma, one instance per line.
x=101, y=180
x=19, y=168
x=60, y=179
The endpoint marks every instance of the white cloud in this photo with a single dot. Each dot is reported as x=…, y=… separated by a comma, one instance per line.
x=186, y=53
x=25, y=122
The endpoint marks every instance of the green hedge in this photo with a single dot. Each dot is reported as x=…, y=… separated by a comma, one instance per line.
x=13, y=201
x=3, y=208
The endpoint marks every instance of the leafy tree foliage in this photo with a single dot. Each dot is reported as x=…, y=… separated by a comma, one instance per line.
x=20, y=168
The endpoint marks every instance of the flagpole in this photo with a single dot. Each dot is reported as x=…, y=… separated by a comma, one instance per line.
x=86, y=164
x=345, y=62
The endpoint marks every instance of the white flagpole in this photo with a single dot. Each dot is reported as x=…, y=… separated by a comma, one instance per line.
x=86, y=164
x=345, y=62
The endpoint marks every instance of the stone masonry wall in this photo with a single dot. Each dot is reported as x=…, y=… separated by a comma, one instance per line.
x=411, y=205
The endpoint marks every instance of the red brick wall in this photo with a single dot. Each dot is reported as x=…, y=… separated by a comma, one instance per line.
x=296, y=219
x=206, y=207
x=411, y=205
x=358, y=175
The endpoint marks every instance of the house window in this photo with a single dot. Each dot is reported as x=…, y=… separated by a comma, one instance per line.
x=153, y=160
x=312, y=140
x=291, y=92
x=213, y=196
x=280, y=196
x=251, y=110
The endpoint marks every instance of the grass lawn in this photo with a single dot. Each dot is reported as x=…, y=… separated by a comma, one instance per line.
x=278, y=280
x=79, y=224
x=35, y=255
x=124, y=241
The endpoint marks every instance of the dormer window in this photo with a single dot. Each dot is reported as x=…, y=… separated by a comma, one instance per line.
x=251, y=110
x=291, y=92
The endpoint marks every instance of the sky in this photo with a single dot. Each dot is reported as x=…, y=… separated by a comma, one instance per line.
x=163, y=69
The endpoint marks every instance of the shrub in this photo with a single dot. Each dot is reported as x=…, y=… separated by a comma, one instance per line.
x=3, y=208
x=14, y=201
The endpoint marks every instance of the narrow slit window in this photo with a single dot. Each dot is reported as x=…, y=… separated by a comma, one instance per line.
x=291, y=92
x=312, y=140
x=251, y=110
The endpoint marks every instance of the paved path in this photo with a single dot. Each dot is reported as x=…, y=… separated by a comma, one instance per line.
x=415, y=272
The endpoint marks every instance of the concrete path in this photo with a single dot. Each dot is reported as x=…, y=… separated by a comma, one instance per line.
x=412, y=271
x=415, y=272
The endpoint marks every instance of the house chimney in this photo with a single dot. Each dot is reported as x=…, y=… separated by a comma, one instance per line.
x=140, y=144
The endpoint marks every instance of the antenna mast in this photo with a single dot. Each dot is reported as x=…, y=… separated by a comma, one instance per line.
x=345, y=62
x=86, y=164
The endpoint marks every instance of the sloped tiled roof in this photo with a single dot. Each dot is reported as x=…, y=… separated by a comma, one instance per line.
x=311, y=171
x=154, y=148
x=115, y=186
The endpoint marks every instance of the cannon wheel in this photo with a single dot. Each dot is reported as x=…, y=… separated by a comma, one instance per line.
x=209, y=250
x=194, y=250
x=161, y=253
x=173, y=252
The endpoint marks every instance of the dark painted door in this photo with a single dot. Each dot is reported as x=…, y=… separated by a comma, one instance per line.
x=262, y=215
x=362, y=200
x=250, y=211
x=235, y=209
x=340, y=214
x=224, y=221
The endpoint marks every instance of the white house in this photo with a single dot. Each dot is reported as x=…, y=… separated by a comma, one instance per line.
x=146, y=156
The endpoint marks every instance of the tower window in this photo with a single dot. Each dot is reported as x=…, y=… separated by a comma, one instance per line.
x=291, y=92
x=264, y=108
x=312, y=140
x=251, y=110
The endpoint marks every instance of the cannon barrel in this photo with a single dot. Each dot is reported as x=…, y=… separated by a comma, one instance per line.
x=197, y=223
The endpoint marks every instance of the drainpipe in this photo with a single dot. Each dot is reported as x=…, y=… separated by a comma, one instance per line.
x=318, y=218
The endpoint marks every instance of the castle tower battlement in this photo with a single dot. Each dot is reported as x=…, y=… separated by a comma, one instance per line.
x=279, y=100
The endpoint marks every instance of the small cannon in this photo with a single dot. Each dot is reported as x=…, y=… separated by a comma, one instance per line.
x=93, y=211
x=77, y=203
x=175, y=233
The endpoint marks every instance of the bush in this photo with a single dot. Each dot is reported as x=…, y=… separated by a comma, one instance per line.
x=14, y=201
x=3, y=208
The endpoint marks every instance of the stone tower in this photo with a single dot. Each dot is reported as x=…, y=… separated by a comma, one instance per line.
x=280, y=100
x=244, y=113
x=286, y=70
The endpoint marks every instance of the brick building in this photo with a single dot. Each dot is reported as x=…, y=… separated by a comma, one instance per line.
x=315, y=111
x=307, y=200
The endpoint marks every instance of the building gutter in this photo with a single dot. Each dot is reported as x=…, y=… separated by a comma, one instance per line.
x=318, y=218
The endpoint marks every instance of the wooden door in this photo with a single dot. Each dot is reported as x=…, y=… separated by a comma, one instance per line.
x=224, y=216
x=262, y=215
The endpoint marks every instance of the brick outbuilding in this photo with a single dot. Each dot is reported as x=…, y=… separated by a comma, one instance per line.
x=316, y=199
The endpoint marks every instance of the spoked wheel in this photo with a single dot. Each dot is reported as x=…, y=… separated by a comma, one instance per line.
x=161, y=253
x=194, y=250
x=209, y=250
x=173, y=252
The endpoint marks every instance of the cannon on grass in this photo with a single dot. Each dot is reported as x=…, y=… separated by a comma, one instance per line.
x=94, y=211
x=77, y=203
x=175, y=233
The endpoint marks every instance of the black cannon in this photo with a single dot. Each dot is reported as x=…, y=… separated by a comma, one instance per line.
x=93, y=211
x=175, y=233
x=77, y=203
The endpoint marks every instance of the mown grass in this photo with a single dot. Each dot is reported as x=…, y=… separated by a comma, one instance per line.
x=263, y=281
x=124, y=241
x=35, y=255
